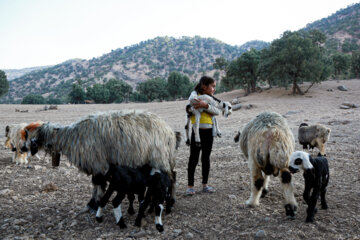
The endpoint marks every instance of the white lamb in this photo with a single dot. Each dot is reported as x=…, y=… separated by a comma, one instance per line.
x=225, y=107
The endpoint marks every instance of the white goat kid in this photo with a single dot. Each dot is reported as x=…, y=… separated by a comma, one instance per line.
x=225, y=107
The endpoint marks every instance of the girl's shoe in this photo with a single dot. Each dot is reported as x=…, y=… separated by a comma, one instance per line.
x=190, y=192
x=208, y=189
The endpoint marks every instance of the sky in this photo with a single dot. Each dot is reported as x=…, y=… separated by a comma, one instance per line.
x=48, y=32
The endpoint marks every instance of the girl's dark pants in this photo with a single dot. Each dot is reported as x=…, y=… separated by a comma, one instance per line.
x=206, y=139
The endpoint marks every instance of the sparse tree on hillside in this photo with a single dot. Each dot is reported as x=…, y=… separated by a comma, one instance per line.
x=297, y=57
x=155, y=88
x=244, y=71
x=77, y=94
x=355, y=63
x=4, y=84
x=220, y=64
x=99, y=93
x=119, y=91
x=178, y=85
x=341, y=63
x=33, y=99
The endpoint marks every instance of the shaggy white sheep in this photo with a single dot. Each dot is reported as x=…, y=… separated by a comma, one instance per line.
x=129, y=138
x=314, y=136
x=267, y=142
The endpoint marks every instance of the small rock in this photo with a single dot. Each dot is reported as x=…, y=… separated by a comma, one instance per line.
x=342, y=88
x=189, y=235
x=50, y=187
x=7, y=192
x=139, y=234
x=38, y=167
x=231, y=196
x=260, y=234
x=235, y=101
x=344, y=107
x=73, y=223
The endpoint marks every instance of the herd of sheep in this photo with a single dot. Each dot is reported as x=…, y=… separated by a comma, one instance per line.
x=135, y=152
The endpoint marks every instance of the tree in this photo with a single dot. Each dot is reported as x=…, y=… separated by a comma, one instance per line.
x=33, y=99
x=4, y=84
x=244, y=70
x=99, y=93
x=178, y=85
x=355, y=63
x=341, y=63
x=152, y=89
x=296, y=57
x=220, y=63
x=77, y=94
x=119, y=91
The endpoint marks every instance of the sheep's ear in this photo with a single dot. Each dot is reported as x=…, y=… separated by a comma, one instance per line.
x=298, y=161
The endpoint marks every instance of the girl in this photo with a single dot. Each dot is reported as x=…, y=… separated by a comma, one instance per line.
x=206, y=85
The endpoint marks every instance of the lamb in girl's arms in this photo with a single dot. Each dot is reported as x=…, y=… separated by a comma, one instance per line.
x=212, y=101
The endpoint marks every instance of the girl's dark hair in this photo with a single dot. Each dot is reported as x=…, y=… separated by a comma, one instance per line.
x=204, y=80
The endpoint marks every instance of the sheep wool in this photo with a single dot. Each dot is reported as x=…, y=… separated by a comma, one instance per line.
x=267, y=142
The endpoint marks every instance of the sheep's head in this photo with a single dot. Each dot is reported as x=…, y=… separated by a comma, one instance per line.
x=303, y=125
x=227, y=109
x=299, y=161
x=29, y=138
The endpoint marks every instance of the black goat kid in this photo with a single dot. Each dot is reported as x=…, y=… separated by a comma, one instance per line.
x=129, y=181
x=316, y=175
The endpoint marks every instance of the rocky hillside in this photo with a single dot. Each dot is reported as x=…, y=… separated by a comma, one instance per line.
x=152, y=58
x=342, y=29
x=12, y=74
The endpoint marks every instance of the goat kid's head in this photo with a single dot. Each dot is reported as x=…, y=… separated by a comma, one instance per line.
x=227, y=108
x=299, y=161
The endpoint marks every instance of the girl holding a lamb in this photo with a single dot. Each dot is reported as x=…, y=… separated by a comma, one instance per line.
x=206, y=85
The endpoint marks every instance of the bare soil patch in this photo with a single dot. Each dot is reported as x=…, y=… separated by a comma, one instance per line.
x=40, y=202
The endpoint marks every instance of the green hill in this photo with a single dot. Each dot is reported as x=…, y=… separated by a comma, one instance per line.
x=157, y=57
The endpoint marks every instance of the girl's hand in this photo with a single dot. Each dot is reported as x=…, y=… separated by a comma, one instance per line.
x=200, y=104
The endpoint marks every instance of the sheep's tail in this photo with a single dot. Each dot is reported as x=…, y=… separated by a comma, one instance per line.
x=178, y=139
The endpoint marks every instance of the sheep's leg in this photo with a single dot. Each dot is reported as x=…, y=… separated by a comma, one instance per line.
x=323, y=199
x=321, y=147
x=102, y=203
x=311, y=210
x=24, y=158
x=265, y=189
x=117, y=209
x=257, y=182
x=288, y=191
x=158, y=212
x=196, y=128
x=216, y=126
x=306, y=194
x=99, y=182
x=131, y=198
x=143, y=205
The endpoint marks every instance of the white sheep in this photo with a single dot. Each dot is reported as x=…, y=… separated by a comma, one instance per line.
x=314, y=136
x=267, y=142
x=225, y=107
x=129, y=138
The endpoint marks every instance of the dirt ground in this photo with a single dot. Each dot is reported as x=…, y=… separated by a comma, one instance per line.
x=41, y=202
